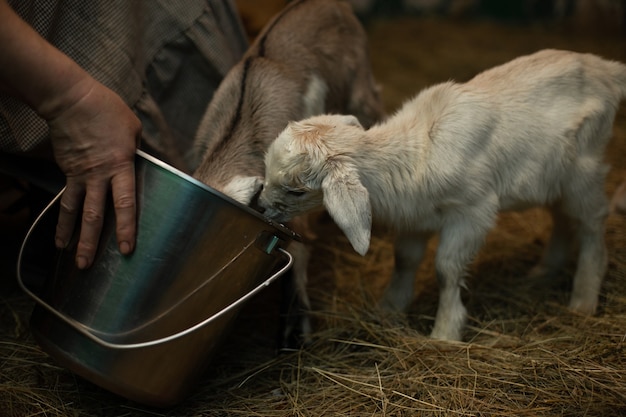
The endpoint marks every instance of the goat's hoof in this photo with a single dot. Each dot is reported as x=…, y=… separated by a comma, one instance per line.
x=445, y=335
x=583, y=307
x=294, y=342
x=295, y=334
x=391, y=304
x=540, y=271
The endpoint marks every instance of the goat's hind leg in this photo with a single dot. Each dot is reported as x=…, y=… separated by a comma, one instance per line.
x=559, y=248
x=587, y=205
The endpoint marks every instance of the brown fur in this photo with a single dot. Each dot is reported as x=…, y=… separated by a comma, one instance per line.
x=266, y=89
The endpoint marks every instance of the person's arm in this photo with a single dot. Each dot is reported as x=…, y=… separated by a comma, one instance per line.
x=93, y=133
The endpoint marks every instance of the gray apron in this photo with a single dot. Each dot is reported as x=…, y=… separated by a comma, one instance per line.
x=165, y=58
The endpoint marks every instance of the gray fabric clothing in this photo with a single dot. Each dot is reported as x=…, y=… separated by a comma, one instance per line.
x=165, y=58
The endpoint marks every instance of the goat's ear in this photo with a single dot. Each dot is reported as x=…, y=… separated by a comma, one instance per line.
x=347, y=202
x=351, y=120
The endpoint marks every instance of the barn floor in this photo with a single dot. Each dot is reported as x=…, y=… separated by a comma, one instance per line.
x=524, y=352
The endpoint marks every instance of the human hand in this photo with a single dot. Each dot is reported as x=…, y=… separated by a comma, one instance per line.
x=93, y=133
x=94, y=137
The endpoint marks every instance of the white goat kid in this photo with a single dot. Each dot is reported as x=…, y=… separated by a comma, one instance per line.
x=529, y=132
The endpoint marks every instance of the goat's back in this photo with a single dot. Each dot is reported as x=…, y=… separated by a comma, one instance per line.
x=549, y=73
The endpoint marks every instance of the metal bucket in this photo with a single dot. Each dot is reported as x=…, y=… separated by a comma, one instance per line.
x=145, y=326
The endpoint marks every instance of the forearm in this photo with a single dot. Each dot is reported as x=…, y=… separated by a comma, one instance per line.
x=34, y=71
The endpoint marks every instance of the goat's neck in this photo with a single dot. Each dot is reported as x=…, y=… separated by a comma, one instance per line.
x=390, y=165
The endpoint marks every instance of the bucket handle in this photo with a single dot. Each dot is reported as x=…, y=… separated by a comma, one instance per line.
x=84, y=330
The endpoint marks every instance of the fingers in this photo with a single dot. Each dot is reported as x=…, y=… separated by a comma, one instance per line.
x=70, y=207
x=91, y=224
x=124, y=203
x=91, y=202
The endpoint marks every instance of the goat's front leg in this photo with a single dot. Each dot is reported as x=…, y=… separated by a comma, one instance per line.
x=592, y=257
x=295, y=329
x=558, y=250
x=408, y=254
x=459, y=242
x=590, y=269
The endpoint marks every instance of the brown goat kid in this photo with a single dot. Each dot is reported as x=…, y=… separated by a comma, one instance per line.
x=312, y=58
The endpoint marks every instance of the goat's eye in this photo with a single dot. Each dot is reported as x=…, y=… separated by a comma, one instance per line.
x=296, y=193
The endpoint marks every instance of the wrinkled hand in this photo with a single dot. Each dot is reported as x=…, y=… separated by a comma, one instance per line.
x=94, y=141
x=92, y=131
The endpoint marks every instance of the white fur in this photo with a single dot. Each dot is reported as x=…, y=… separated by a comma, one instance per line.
x=314, y=99
x=243, y=188
x=530, y=132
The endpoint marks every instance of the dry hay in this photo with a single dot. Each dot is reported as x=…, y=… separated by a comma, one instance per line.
x=525, y=354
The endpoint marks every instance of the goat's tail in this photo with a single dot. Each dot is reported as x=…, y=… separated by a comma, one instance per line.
x=617, y=71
